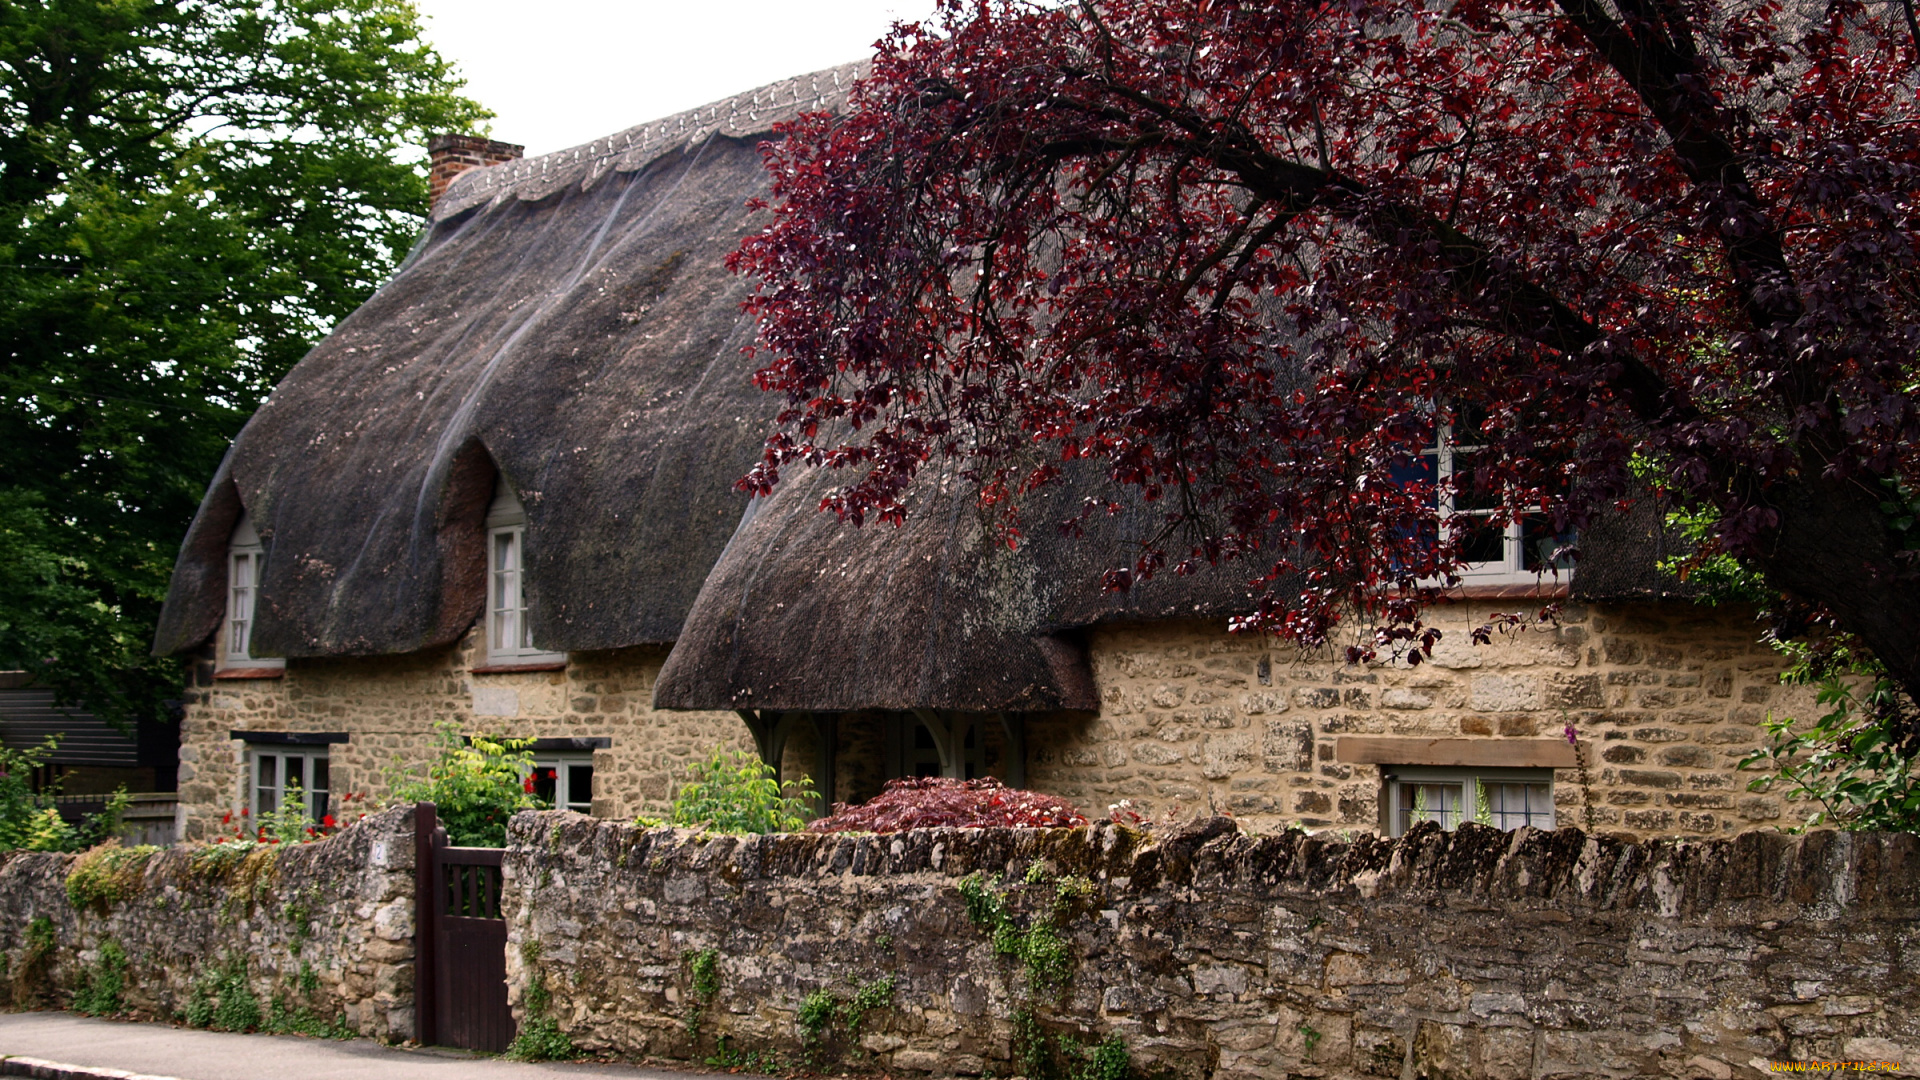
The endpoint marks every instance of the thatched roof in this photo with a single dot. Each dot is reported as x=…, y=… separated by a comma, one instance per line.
x=1620, y=555
x=568, y=321
x=804, y=612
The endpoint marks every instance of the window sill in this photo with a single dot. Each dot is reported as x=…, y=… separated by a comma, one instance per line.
x=510, y=669
x=1533, y=590
x=250, y=673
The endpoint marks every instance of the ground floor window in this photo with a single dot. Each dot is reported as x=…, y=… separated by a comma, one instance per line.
x=565, y=781
x=1501, y=797
x=279, y=770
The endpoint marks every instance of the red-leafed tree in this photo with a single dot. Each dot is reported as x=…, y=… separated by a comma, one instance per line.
x=1247, y=258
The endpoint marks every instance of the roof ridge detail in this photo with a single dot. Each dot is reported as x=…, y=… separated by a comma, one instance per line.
x=750, y=113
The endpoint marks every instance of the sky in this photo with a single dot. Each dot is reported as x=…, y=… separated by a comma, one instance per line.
x=564, y=72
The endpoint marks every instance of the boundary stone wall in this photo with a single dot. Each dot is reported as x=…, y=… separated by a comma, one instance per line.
x=336, y=915
x=1211, y=953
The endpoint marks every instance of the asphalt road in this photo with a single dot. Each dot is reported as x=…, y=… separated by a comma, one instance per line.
x=165, y=1050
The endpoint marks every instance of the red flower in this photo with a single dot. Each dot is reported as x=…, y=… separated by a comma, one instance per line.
x=551, y=774
x=327, y=821
x=228, y=820
x=244, y=811
x=528, y=785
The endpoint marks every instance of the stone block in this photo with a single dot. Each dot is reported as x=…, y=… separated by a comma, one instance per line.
x=1504, y=693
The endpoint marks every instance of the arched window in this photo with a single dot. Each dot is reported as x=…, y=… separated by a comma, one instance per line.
x=245, y=556
x=509, y=637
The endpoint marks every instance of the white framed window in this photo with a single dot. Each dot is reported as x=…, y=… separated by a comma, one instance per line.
x=245, y=554
x=1521, y=552
x=565, y=780
x=509, y=636
x=1505, y=798
x=278, y=770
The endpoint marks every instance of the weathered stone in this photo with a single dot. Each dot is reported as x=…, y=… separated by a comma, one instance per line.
x=337, y=913
x=1212, y=953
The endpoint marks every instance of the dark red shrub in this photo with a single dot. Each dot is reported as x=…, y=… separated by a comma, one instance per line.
x=924, y=802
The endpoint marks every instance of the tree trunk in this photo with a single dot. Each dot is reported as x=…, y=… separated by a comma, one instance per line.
x=1834, y=547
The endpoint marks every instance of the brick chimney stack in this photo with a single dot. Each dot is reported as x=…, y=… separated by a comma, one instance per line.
x=450, y=155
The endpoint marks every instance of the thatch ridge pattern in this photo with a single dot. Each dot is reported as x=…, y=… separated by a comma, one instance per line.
x=740, y=116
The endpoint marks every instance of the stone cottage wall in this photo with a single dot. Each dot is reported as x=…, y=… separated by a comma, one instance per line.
x=324, y=929
x=389, y=704
x=1475, y=954
x=1666, y=698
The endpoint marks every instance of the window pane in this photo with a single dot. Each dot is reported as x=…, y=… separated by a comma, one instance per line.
x=1483, y=543
x=1538, y=542
x=503, y=553
x=545, y=780
x=266, y=796
x=239, y=604
x=1515, y=805
x=1471, y=490
x=580, y=787
x=1429, y=802
x=318, y=781
x=296, y=772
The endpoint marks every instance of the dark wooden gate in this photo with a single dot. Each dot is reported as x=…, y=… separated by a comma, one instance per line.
x=460, y=970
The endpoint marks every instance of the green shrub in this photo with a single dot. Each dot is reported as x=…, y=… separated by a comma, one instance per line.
x=1848, y=760
x=475, y=786
x=705, y=967
x=1044, y=1056
x=101, y=988
x=107, y=875
x=223, y=999
x=540, y=1037
x=735, y=792
x=28, y=820
x=1040, y=948
x=283, y=1019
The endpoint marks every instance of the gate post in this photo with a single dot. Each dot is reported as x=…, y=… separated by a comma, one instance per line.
x=426, y=1008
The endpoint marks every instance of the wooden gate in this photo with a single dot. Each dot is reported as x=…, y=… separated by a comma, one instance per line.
x=460, y=962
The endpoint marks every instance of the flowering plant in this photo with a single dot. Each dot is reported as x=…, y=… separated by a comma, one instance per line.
x=289, y=823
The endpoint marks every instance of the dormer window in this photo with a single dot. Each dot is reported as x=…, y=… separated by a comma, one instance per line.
x=509, y=636
x=245, y=556
x=1524, y=551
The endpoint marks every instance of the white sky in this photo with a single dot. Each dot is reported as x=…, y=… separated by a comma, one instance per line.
x=563, y=72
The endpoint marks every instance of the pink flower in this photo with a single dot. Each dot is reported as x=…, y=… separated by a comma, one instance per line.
x=1573, y=737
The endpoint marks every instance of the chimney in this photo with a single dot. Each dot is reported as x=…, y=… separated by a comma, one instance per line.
x=450, y=155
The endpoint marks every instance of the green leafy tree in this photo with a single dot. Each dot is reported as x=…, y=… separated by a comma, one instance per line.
x=735, y=792
x=475, y=784
x=191, y=193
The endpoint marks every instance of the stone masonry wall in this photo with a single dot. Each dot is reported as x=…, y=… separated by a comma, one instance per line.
x=388, y=706
x=325, y=929
x=1666, y=698
x=1208, y=953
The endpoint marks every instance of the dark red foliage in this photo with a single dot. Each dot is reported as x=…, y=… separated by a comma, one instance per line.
x=1244, y=257
x=926, y=802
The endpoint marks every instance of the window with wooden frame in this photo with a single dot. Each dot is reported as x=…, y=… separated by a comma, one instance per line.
x=1522, y=551
x=509, y=636
x=279, y=771
x=1505, y=798
x=246, y=555
x=564, y=780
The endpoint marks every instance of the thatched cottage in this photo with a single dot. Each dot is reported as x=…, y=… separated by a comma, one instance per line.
x=501, y=495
